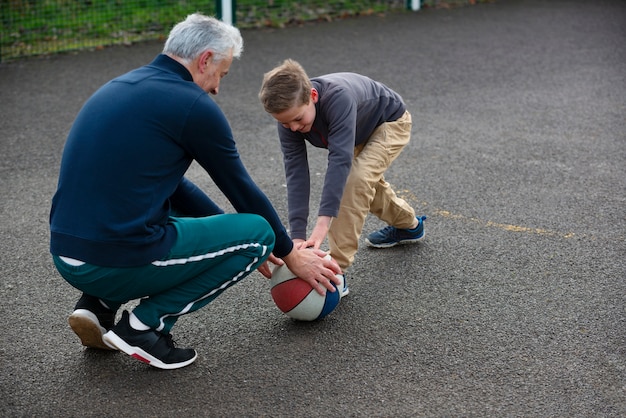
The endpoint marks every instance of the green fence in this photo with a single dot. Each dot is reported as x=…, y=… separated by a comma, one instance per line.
x=36, y=27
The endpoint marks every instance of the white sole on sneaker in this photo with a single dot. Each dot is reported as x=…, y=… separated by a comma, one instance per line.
x=112, y=339
x=86, y=325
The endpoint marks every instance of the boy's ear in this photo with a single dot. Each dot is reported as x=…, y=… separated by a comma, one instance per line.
x=314, y=95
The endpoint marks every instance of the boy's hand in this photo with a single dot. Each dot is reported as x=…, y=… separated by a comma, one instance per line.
x=299, y=243
x=319, y=232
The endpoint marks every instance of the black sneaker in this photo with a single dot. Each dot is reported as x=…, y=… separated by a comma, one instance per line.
x=90, y=321
x=152, y=347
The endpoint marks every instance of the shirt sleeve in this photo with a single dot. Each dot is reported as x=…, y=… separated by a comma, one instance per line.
x=189, y=200
x=209, y=140
x=298, y=180
x=340, y=110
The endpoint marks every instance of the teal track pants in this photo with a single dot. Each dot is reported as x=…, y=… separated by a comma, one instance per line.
x=210, y=255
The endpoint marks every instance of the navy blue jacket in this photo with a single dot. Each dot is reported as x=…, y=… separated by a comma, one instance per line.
x=123, y=169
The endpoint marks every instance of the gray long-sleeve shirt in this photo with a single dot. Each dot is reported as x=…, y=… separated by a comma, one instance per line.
x=350, y=107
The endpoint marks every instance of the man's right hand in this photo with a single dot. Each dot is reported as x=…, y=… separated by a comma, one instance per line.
x=311, y=266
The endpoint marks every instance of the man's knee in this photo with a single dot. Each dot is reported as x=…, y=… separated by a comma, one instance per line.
x=260, y=228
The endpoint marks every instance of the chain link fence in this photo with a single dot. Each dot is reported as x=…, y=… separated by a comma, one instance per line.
x=37, y=27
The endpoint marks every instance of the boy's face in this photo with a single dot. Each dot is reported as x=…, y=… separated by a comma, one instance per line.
x=299, y=118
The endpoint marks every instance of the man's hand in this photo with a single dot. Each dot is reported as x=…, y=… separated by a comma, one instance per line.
x=311, y=266
x=265, y=269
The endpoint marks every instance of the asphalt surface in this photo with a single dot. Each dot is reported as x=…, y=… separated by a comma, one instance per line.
x=514, y=305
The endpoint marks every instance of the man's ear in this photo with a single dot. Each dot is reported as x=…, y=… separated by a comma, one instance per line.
x=204, y=60
x=314, y=95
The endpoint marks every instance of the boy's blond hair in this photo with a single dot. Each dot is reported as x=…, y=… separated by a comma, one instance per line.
x=284, y=87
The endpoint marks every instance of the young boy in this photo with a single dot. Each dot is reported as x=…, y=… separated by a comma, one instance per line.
x=364, y=125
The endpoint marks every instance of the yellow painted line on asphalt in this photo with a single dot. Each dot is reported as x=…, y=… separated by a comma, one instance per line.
x=409, y=196
x=505, y=227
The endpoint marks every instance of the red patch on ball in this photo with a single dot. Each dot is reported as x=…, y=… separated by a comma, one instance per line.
x=297, y=298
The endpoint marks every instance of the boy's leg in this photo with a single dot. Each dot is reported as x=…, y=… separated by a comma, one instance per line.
x=386, y=205
x=366, y=192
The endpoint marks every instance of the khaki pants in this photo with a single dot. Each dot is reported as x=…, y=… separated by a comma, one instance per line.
x=367, y=191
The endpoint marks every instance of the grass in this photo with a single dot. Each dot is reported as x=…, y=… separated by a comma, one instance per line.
x=36, y=27
x=46, y=26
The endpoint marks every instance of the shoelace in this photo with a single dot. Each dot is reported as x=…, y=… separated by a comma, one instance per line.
x=393, y=231
x=169, y=340
x=389, y=230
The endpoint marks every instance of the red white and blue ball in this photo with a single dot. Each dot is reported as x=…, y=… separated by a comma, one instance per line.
x=297, y=299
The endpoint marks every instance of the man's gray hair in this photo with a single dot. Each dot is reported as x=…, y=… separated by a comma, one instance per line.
x=199, y=33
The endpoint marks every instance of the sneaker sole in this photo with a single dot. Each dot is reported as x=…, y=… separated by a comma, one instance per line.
x=404, y=241
x=113, y=339
x=85, y=324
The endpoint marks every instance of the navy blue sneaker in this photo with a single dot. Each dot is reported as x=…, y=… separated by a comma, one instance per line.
x=90, y=321
x=152, y=347
x=343, y=287
x=390, y=236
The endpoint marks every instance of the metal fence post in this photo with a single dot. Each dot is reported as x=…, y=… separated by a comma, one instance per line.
x=414, y=5
x=226, y=11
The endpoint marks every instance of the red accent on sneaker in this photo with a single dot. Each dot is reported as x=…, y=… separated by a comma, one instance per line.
x=138, y=357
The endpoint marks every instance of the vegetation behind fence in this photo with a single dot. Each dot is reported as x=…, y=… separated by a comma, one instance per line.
x=36, y=27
